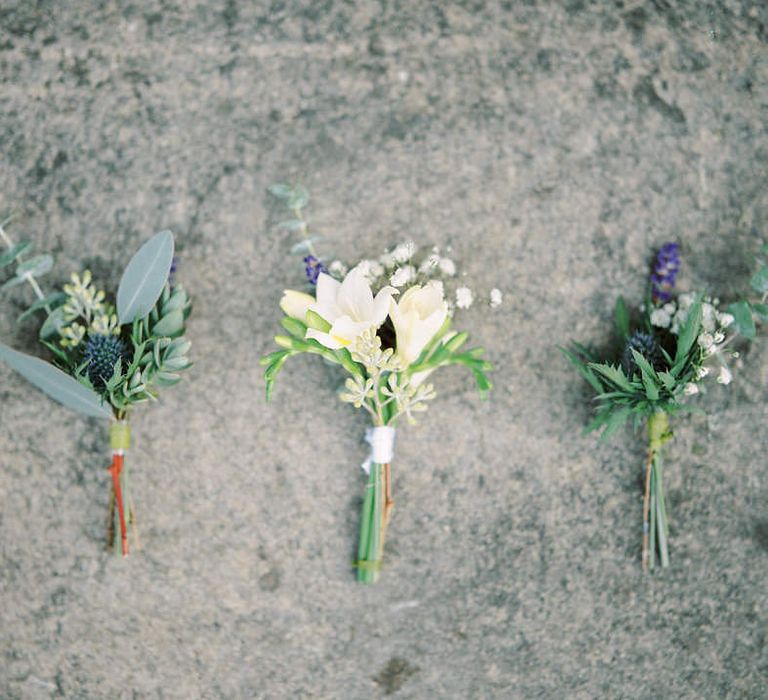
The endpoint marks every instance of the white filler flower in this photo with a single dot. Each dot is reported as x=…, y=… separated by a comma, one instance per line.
x=464, y=297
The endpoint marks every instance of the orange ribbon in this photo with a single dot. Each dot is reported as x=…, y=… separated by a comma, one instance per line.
x=115, y=469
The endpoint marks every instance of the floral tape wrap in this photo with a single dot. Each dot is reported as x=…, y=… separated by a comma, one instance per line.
x=381, y=438
x=119, y=437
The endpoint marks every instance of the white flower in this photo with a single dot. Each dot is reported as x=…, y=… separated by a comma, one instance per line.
x=718, y=337
x=670, y=307
x=376, y=269
x=725, y=319
x=496, y=297
x=447, y=267
x=295, y=304
x=660, y=318
x=702, y=372
x=418, y=315
x=708, y=317
x=338, y=268
x=690, y=389
x=349, y=307
x=685, y=300
x=404, y=252
x=705, y=341
x=464, y=297
x=725, y=376
x=402, y=276
x=429, y=264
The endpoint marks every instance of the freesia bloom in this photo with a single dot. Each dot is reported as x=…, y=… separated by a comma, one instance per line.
x=349, y=307
x=417, y=317
x=296, y=304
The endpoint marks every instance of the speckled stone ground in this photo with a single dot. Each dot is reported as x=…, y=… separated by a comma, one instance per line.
x=552, y=145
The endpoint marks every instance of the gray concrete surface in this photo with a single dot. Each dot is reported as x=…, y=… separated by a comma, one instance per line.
x=552, y=145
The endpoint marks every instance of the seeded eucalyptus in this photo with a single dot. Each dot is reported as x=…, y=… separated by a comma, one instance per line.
x=107, y=357
x=664, y=356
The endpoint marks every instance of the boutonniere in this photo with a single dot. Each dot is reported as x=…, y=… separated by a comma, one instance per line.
x=387, y=323
x=107, y=356
x=666, y=354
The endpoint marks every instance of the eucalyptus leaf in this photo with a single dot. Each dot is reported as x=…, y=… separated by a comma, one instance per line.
x=37, y=266
x=144, y=278
x=299, y=198
x=13, y=282
x=281, y=190
x=305, y=245
x=9, y=256
x=761, y=310
x=170, y=325
x=292, y=224
x=743, y=320
x=58, y=385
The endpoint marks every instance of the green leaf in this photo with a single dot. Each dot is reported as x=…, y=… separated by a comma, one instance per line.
x=667, y=380
x=759, y=281
x=621, y=316
x=583, y=369
x=317, y=322
x=9, y=256
x=13, y=282
x=52, y=300
x=281, y=190
x=58, y=385
x=615, y=375
x=170, y=325
x=743, y=322
x=144, y=278
x=166, y=379
x=689, y=333
x=37, y=266
x=616, y=420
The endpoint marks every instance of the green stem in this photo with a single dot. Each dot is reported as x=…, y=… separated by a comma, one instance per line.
x=652, y=536
x=662, y=511
x=371, y=544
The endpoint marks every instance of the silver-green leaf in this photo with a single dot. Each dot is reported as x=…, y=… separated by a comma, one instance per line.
x=144, y=278
x=58, y=385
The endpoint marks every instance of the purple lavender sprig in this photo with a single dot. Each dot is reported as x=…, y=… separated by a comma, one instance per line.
x=664, y=274
x=314, y=268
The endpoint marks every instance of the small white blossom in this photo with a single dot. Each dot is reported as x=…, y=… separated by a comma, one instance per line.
x=705, y=341
x=447, y=267
x=402, y=276
x=464, y=297
x=496, y=297
x=404, y=252
x=702, y=372
x=660, y=318
x=685, y=300
x=670, y=307
x=387, y=260
x=429, y=264
x=690, y=389
x=718, y=337
x=725, y=376
x=338, y=268
x=708, y=322
x=725, y=320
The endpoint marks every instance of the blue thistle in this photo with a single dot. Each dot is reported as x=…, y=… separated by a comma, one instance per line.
x=664, y=274
x=646, y=345
x=314, y=268
x=101, y=354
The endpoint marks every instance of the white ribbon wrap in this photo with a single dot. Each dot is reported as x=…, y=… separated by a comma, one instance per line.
x=381, y=438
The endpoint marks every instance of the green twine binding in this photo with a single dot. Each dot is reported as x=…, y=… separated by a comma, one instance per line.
x=367, y=565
